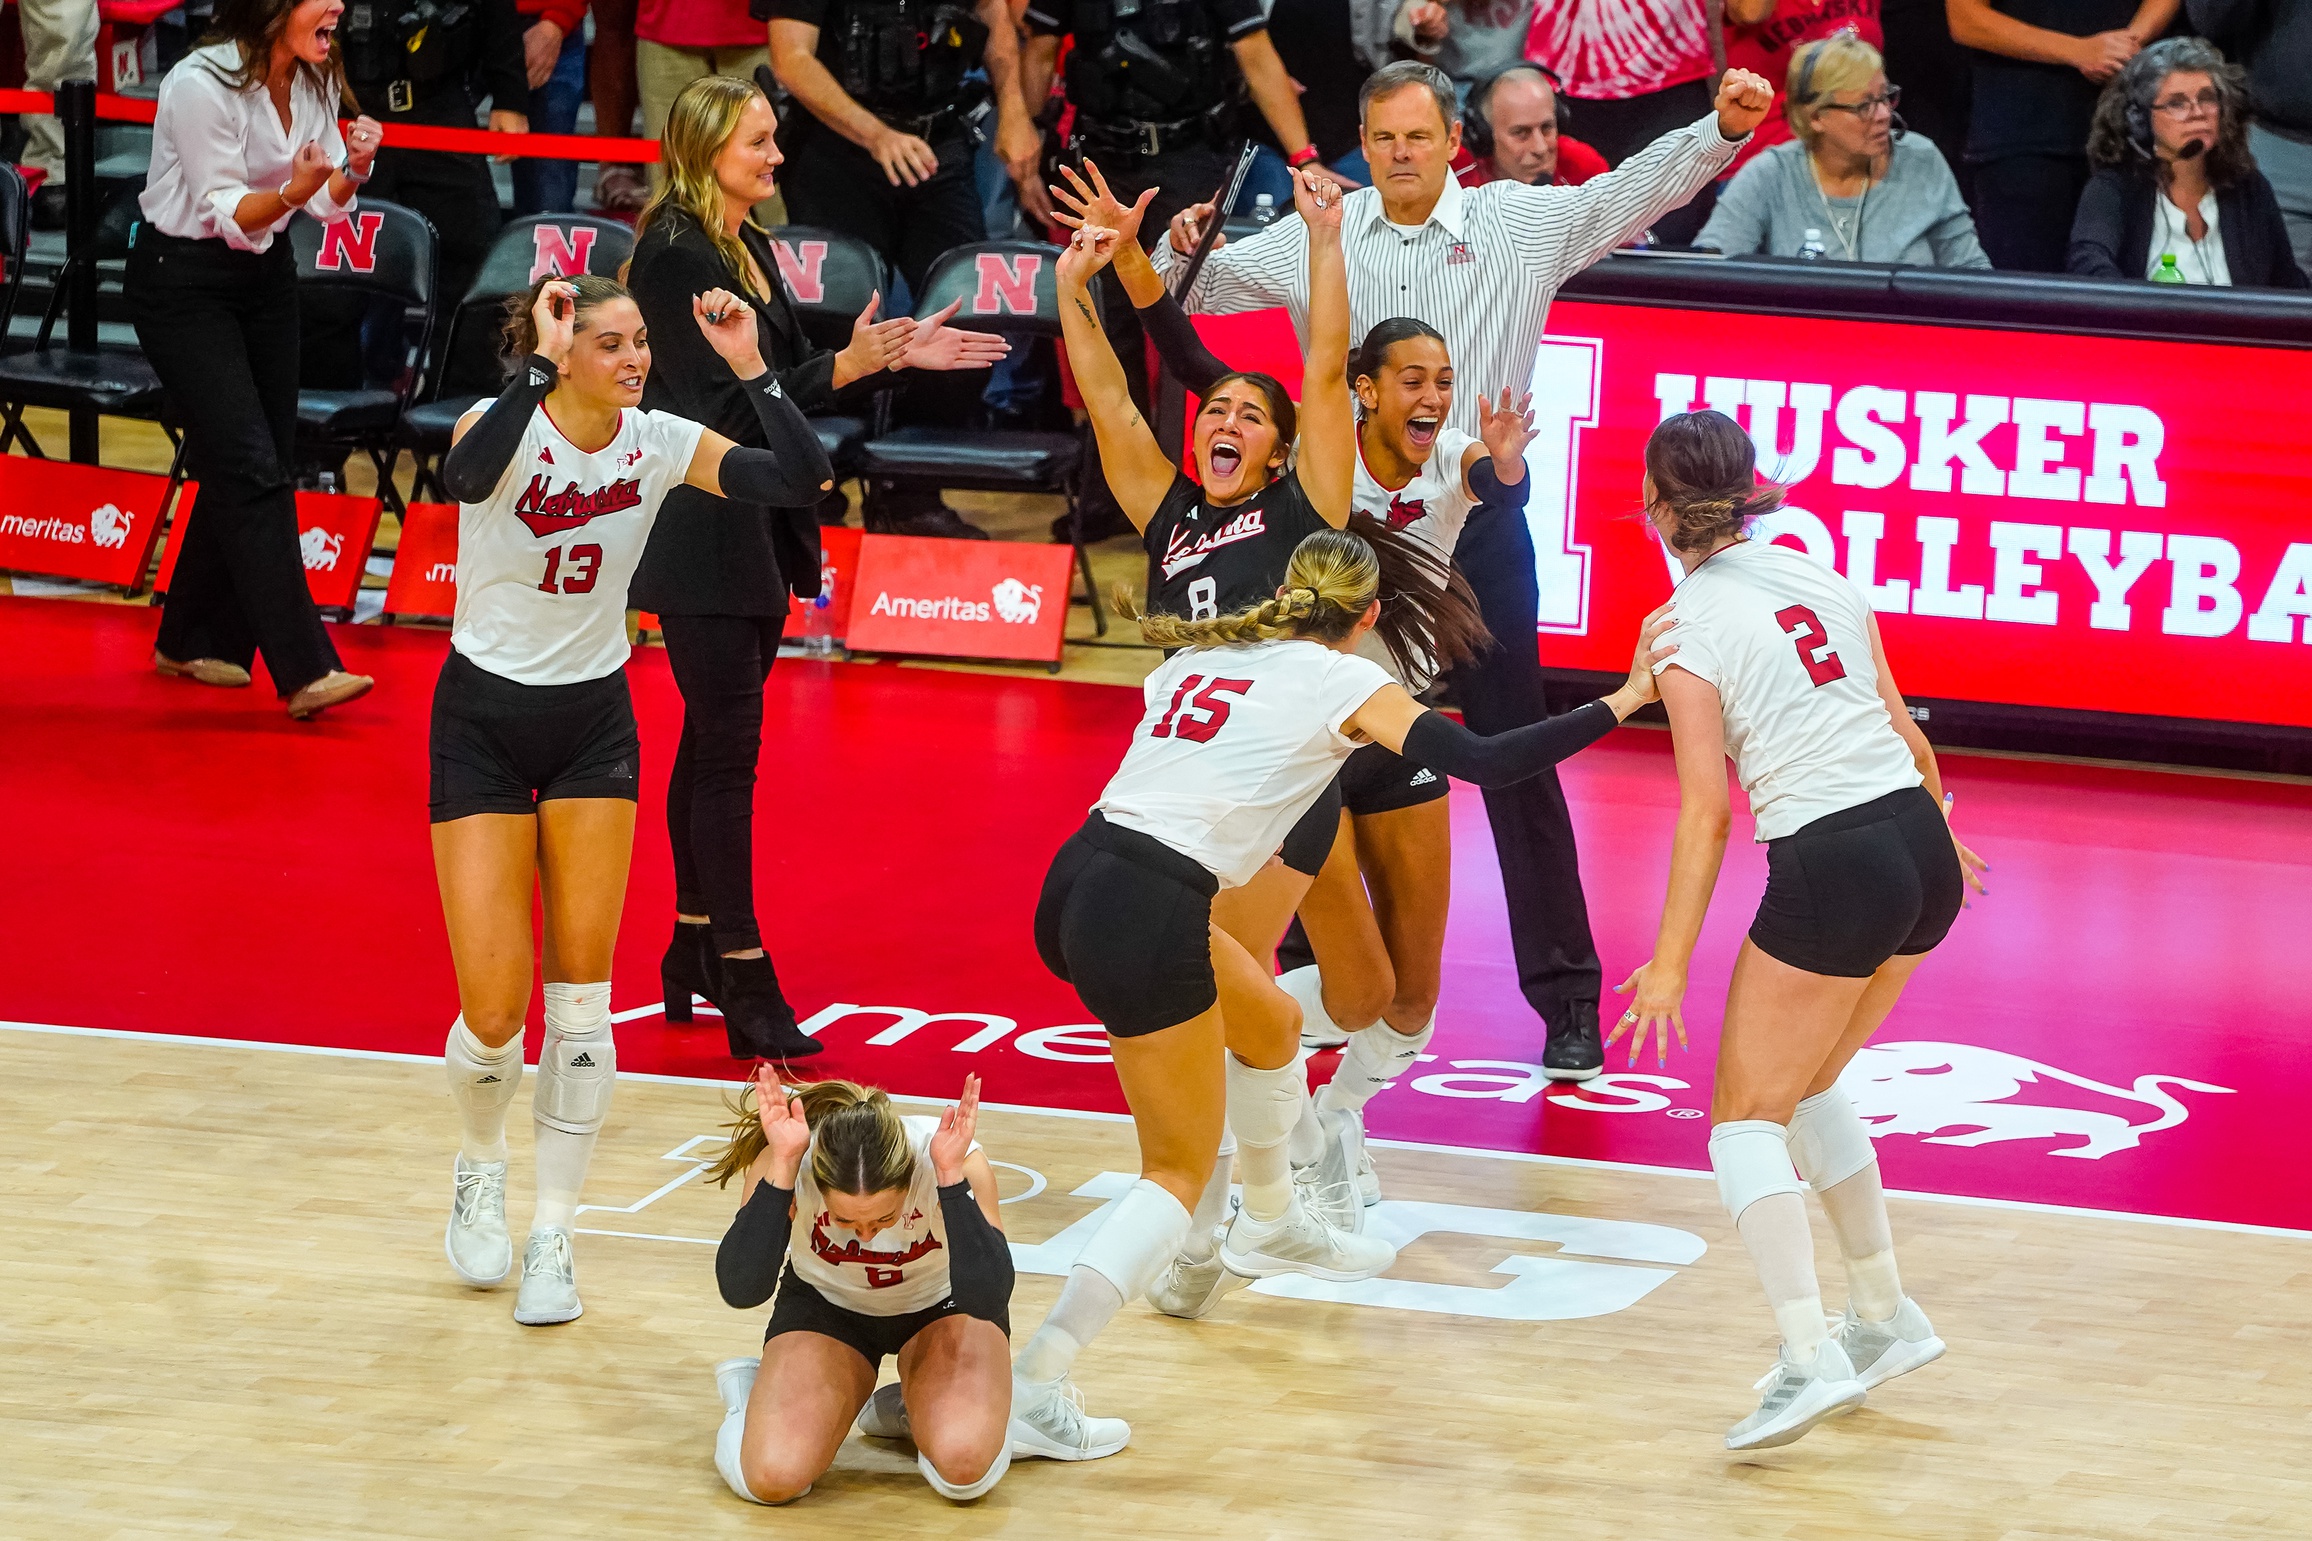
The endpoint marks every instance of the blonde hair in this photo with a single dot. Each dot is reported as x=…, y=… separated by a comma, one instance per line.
x=1332, y=579
x=699, y=124
x=860, y=1144
x=1839, y=62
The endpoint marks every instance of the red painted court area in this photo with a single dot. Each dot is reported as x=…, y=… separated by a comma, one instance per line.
x=2121, y=1025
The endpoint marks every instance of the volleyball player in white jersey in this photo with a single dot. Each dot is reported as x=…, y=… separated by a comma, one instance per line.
x=1779, y=666
x=535, y=761
x=1244, y=730
x=882, y=1236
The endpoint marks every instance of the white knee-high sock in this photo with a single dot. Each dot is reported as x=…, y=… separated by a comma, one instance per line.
x=1263, y=1106
x=576, y=1070
x=1307, y=1140
x=1375, y=1056
x=1761, y=1192
x=1833, y=1151
x=1141, y=1234
x=1211, y=1206
x=482, y=1083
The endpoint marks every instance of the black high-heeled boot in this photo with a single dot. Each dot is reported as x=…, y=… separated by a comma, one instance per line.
x=756, y=1015
x=688, y=969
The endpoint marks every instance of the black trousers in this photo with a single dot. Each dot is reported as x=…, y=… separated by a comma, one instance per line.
x=2023, y=210
x=1618, y=130
x=220, y=327
x=832, y=182
x=720, y=663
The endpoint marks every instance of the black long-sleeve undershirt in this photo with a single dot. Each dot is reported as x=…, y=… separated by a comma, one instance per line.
x=979, y=1260
x=1445, y=746
x=470, y=471
x=754, y=1249
x=1180, y=345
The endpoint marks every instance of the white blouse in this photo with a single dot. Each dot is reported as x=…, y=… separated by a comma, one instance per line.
x=214, y=146
x=2201, y=261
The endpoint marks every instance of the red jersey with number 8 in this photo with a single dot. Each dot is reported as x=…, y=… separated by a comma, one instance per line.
x=544, y=561
x=1235, y=745
x=1786, y=641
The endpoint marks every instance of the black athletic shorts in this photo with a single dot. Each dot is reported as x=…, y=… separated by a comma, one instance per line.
x=1860, y=886
x=1127, y=920
x=502, y=747
x=1377, y=779
x=1310, y=841
x=801, y=1308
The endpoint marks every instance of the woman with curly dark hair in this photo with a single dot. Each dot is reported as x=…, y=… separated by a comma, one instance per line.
x=2176, y=196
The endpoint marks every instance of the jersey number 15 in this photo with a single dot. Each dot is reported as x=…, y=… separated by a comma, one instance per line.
x=1198, y=718
x=1814, y=649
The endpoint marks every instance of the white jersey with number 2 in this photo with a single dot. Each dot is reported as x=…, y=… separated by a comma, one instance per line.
x=544, y=561
x=1786, y=641
x=1235, y=745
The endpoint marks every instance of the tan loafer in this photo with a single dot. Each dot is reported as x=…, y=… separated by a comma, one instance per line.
x=206, y=671
x=333, y=689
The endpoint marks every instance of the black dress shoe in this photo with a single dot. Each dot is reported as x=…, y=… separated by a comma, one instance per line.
x=756, y=1016
x=1576, y=1051
x=688, y=969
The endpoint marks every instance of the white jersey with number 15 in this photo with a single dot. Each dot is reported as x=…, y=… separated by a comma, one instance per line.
x=1786, y=641
x=1235, y=745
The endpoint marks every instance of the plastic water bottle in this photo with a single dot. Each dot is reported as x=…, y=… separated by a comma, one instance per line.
x=1811, y=249
x=2167, y=272
x=1264, y=211
x=819, y=627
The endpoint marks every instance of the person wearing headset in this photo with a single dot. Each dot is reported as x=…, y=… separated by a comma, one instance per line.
x=1512, y=127
x=2176, y=195
x=1852, y=187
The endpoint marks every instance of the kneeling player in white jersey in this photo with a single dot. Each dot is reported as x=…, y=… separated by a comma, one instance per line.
x=535, y=760
x=1244, y=730
x=1779, y=666
x=882, y=1236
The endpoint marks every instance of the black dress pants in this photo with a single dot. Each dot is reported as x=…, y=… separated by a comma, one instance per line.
x=220, y=327
x=720, y=663
x=833, y=183
x=2024, y=206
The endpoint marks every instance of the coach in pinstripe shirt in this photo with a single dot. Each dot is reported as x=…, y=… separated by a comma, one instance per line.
x=1481, y=264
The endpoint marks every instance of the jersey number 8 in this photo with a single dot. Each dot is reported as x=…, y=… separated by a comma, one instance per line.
x=1181, y=719
x=585, y=563
x=1203, y=599
x=1814, y=649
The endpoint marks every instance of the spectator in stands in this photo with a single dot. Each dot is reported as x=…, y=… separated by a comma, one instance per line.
x=245, y=135
x=1849, y=185
x=2272, y=40
x=1633, y=70
x=2037, y=66
x=1938, y=80
x=59, y=45
x=677, y=41
x=554, y=53
x=720, y=578
x=1761, y=36
x=620, y=190
x=1510, y=129
x=2176, y=193
x=1316, y=41
x=1470, y=40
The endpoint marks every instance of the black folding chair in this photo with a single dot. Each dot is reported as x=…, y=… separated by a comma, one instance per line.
x=830, y=276
x=467, y=367
x=379, y=251
x=15, y=238
x=1007, y=287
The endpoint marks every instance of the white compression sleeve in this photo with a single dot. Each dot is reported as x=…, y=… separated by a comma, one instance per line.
x=1263, y=1106
x=1141, y=1234
x=1762, y=1194
x=1833, y=1151
x=1375, y=1056
x=577, y=1069
x=1307, y=1141
x=1211, y=1205
x=482, y=1083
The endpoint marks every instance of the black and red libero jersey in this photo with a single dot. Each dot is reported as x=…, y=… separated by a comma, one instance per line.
x=1203, y=561
x=543, y=563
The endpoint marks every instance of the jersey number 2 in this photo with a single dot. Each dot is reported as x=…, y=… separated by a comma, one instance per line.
x=585, y=562
x=1814, y=649
x=1181, y=719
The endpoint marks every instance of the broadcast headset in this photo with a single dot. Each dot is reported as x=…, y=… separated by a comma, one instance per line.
x=2141, y=80
x=1476, y=120
x=1801, y=87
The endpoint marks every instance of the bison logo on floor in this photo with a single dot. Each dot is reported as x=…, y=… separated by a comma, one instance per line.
x=1019, y=603
x=1960, y=1094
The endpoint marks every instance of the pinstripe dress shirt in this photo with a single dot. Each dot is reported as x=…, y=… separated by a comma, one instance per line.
x=1482, y=269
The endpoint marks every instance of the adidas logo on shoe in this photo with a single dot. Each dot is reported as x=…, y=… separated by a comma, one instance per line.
x=1423, y=777
x=584, y=1061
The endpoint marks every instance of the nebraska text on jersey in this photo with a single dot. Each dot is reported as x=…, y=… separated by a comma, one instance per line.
x=884, y=1269
x=1185, y=549
x=550, y=513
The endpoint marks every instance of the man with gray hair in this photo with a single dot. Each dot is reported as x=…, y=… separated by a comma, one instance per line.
x=1481, y=265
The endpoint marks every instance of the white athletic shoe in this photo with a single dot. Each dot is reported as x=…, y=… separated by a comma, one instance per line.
x=1883, y=1350
x=1337, y=1203
x=1049, y=1421
x=1346, y=1164
x=1317, y=1029
x=549, y=1280
x=734, y=1382
x=1302, y=1241
x=885, y=1415
x=1798, y=1397
x=1189, y=1289
x=479, y=1250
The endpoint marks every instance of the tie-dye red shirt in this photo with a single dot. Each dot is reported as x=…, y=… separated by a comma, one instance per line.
x=1607, y=50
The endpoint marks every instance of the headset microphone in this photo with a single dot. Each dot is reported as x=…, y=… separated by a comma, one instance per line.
x=2192, y=149
x=1898, y=126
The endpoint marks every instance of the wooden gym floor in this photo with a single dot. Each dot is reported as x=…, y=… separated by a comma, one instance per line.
x=228, y=1316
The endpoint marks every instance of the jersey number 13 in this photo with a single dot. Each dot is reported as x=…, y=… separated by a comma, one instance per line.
x=1198, y=717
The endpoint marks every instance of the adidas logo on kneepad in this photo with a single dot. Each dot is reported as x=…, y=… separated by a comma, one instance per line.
x=584, y=1060
x=488, y=1080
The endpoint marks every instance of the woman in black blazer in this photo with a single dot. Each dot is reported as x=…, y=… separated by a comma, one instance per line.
x=720, y=581
x=2170, y=136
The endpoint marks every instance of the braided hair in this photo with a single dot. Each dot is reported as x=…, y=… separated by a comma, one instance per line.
x=1705, y=474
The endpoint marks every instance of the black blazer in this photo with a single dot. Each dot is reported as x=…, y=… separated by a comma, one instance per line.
x=2111, y=234
x=708, y=556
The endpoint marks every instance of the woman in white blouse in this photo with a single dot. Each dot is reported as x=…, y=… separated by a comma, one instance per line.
x=246, y=136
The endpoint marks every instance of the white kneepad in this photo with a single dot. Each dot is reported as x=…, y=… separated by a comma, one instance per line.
x=1752, y=1161
x=579, y=1064
x=1828, y=1143
x=1306, y=986
x=969, y=1491
x=1263, y=1105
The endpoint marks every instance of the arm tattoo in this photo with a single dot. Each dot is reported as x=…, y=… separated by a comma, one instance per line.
x=1086, y=310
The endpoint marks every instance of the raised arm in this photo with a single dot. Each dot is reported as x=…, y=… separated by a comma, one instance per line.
x=1493, y=469
x=483, y=443
x=1327, y=465
x=747, y=1264
x=1084, y=202
x=1138, y=473
x=792, y=470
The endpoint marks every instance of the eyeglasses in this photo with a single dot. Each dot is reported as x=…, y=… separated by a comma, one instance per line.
x=2207, y=102
x=1869, y=106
